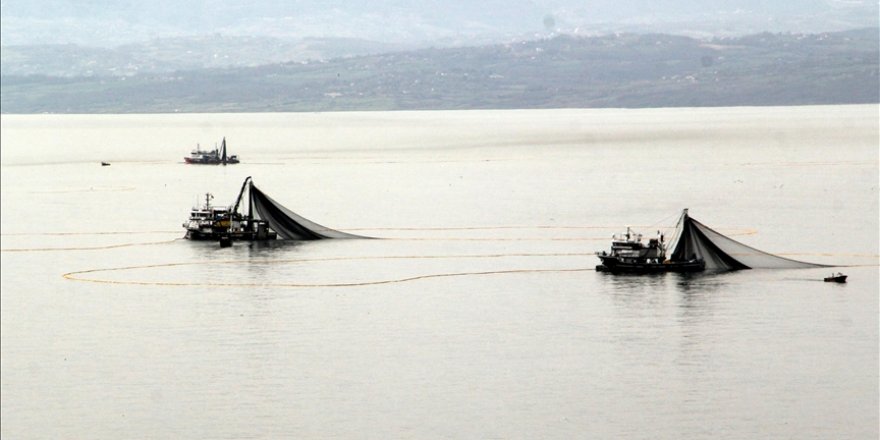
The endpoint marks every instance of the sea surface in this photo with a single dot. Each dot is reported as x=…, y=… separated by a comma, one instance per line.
x=478, y=312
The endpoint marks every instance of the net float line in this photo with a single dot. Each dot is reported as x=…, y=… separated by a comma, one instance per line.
x=829, y=254
x=315, y=285
x=77, y=275
x=91, y=248
x=149, y=243
x=13, y=234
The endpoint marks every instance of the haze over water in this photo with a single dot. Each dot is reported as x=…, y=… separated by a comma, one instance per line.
x=477, y=315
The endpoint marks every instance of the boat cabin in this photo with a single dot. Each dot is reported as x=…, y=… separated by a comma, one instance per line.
x=630, y=247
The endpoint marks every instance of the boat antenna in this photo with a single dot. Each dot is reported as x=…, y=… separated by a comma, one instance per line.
x=223, y=147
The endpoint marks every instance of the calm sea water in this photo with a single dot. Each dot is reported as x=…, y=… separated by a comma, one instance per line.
x=479, y=314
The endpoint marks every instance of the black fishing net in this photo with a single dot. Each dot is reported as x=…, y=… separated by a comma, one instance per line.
x=696, y=240
x=286, y=223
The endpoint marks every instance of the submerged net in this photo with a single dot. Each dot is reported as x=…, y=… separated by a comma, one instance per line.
x=288, y=224
x=696, y=240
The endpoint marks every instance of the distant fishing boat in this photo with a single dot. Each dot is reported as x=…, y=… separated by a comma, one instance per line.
x=836, y=278
x=216, y=156
x=105, y=164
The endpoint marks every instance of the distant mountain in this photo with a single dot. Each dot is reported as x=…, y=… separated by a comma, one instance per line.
x=182, y=53
x=621, y=70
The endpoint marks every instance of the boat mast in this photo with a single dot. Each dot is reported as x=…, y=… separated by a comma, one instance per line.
x=240, y=195
x=251, y=204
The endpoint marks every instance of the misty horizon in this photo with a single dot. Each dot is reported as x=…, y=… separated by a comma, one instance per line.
x=101, y=23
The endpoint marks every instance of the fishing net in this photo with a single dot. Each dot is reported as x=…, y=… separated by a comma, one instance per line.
x=696, y=240
x=288, y=224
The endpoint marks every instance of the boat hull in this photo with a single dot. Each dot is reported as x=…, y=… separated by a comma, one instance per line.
x=614, y=265
x=200, y=235
x=192, y=161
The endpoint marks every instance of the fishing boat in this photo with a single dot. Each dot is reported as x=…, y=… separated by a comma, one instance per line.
x=265, y=219
x=694, y=247
x=836, y=278
x=630, y=254
x=216, y=223
x=217, y=156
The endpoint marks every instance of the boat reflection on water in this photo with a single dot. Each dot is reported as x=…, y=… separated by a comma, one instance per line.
x=671, y=281
x=682, y=298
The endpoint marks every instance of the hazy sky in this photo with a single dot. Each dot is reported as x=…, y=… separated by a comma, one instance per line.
x=107, y=23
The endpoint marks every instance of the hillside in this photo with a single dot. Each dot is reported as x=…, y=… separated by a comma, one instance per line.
x=623, y=70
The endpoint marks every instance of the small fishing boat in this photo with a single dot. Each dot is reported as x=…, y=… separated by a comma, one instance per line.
x=217, y=156
x=105, y=164
x=836, y=278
